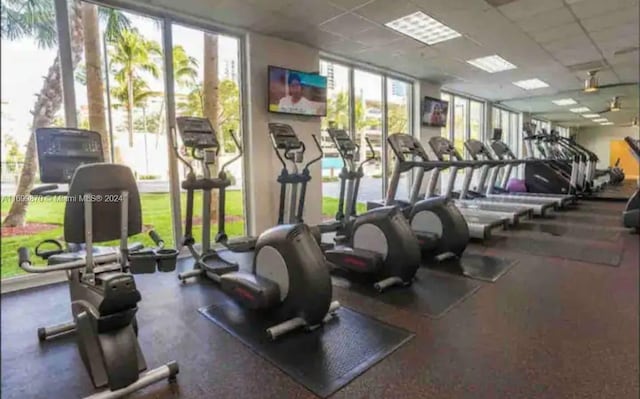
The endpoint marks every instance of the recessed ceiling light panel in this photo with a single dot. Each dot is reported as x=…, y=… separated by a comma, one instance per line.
x=590, y=116
x=531, y=84
x=422, y=27
x=580, y=110
x=492, y=64
x=601, y=120
x=607, y=123
x=564, y=101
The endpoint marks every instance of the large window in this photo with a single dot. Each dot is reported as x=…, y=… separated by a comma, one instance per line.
x=338, y=115
x=118, y=89
x=398, y=121
x=369, y=105
x=31, y=98
x=510, y=124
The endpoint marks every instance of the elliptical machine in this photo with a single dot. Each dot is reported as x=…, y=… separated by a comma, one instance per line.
x=102, y=204
x=631, y=214
x=377, y=244
x=288, y=278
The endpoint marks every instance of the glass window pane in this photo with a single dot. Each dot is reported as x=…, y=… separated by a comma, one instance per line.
x=368, y=103
x=338, y=113
x=460, y=124
x=476, y=120
x=398, y=121
x=28, y=73
x=207, y=84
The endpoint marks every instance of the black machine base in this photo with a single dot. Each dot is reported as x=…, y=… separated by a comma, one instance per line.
x=474, y=266
x=323, y=360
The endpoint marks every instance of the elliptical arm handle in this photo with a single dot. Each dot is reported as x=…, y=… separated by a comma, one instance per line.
x=373, y=156
x=319, y=157
x=175, y=149
x=275, y=147
x=238, y=146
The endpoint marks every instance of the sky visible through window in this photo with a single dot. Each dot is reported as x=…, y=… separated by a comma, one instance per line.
x=24, y=64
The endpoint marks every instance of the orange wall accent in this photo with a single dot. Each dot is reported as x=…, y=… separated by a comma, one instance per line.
x=620, y=149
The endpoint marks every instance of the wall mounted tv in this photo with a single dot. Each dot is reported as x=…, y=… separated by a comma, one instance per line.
x=434, y=112
x=296, y=92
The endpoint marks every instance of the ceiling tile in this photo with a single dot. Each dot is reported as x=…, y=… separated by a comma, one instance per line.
x=575, y=56
x=628, y=73
x=311, y=11
x=272, y=5
x=592, y=8
x=547, y=19
x=573, y=42
x=462, y=49
x=375, y=36
x=237, y=13
x=349, y=4
x=383, y=11
x=557, y=33
x=319, y=38
x=527, y=8
x=616, y=18
x=347, y=25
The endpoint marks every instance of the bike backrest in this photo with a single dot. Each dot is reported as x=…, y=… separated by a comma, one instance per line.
x=105, y=182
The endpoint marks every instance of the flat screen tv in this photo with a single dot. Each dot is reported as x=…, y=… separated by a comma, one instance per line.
x=296, y=92
x=434, y=112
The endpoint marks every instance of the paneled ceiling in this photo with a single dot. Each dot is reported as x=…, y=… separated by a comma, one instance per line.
x=556, y=41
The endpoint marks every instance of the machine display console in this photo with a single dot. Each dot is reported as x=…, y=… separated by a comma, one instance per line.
x=283, y=136
x=196, y=132
x=497, y=134
x=404, y=144
x=342, y=140
x=62, y=150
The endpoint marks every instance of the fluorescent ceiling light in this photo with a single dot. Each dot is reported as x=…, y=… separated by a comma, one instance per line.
x=492, y=64
x=564, y=101
x=531, y=84
x=422, y=27
x=580, y=110
x=601, y=120
x=607, y=123
x=589, y=116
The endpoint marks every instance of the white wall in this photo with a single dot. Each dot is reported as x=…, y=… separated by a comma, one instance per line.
x=598, y=139
x=264, y=166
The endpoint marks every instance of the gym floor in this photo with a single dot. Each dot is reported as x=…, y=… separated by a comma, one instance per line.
x=549, y=328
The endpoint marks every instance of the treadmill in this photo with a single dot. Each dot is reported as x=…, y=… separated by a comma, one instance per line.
x=499, y=208
x=504, y=153
x=540, y=205
x=411, y=155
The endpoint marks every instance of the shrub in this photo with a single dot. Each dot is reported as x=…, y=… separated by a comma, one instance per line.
x=148, y=177
x=330, y=179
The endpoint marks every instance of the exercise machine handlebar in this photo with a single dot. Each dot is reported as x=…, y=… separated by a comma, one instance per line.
x=373, y=156
x=319, y=157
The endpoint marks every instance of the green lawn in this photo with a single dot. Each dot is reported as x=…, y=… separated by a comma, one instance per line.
x=156, y=214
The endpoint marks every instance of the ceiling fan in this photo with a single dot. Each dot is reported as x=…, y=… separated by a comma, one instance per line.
x=614, y=105
x=591, y=84
x=633, y=123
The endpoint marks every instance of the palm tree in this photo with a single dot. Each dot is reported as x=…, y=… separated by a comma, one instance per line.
x=131, y=56
x=115, y=22
x=36, y=19
x=185, y=72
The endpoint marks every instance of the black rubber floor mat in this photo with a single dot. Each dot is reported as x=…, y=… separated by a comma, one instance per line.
x=475, y=266
x=587, y=232
x=323, y=360
x=589, y=251
x=432, y=294
x=589, y=217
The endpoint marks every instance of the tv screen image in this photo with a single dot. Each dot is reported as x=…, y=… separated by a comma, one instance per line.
x=434, y=112
x=296, y=92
